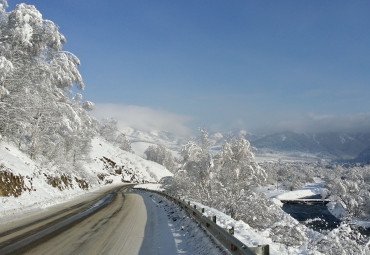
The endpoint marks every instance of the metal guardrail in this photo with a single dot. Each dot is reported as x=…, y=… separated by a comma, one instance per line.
x=226, y=239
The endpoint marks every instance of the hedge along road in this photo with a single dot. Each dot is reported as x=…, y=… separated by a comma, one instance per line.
x=130, y=224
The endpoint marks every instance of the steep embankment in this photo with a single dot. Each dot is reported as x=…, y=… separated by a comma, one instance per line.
x=25, y=184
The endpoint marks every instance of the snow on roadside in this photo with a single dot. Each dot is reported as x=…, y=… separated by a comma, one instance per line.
x=150, y=186
x=242, y=231
x=188, y=237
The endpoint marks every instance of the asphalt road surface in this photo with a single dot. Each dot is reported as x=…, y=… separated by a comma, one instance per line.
x=131, y=223
x=116, y=229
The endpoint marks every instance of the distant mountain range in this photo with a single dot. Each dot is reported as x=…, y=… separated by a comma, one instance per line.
x=354, y=147
x=364, y=156
x=333, y=144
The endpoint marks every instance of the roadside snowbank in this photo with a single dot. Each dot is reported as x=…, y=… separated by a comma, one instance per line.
x=167, y=220
x=150, y=186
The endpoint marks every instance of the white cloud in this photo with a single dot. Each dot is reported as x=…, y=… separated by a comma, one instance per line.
x=144, y=118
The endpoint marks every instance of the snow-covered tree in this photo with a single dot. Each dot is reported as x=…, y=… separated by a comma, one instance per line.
x=290, y=175
x=35, y=81
x=3, y=5
x=5, y=69
x=123, y=143
x=236, y=174
x=193, y=179
x=351, y=188
x=160, y=155
x=88, y=105
x=109, y=129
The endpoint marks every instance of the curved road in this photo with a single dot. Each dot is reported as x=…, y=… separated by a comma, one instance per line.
x=133, y=223
x=116, y=229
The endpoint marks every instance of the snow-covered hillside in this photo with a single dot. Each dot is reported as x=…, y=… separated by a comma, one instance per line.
x=141, y=140
x=110, y=160
x=26, y=184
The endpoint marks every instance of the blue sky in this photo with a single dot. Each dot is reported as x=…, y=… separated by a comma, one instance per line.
x=258, y=65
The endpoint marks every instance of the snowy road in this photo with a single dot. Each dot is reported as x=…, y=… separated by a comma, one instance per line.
x=134, y=223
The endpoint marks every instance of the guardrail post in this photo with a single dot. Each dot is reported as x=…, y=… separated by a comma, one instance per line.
x=265, y=249
x=202, y=210
x=231, y=230
x=261, y=249
x=195, y=207
x=212, y=218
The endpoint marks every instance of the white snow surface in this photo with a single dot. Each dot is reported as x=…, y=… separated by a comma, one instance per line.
x=310, y=189
x=150, y=186
x=140, y=147
x=297, y=194
x=14, y=159
x=171, y=231
x=141, y=140
x=145, y=169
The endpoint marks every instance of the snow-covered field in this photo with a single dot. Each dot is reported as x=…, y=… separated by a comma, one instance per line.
x=278, y=156
x=310, y=189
